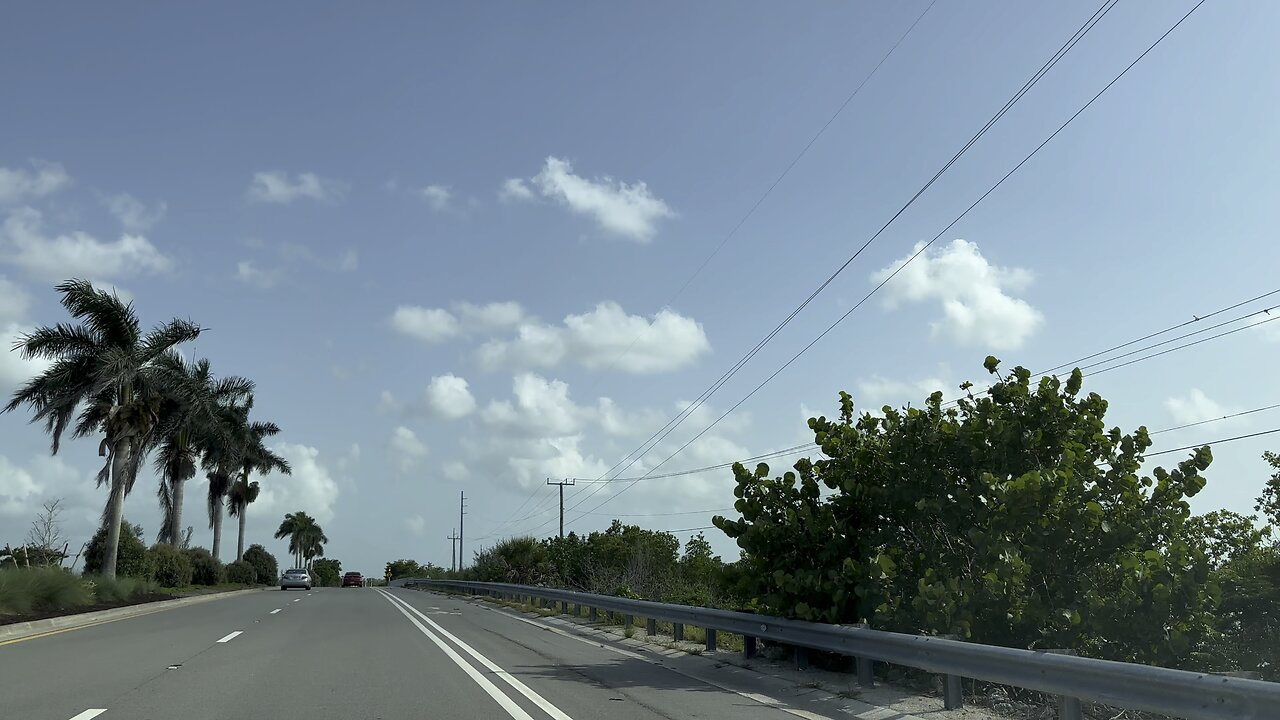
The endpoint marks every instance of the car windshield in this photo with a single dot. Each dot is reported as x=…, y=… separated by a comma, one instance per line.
x=296, y=572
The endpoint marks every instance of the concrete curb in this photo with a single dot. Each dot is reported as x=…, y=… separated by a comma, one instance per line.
x=16, y=631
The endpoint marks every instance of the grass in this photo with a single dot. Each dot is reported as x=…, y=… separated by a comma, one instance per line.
x=44, y=591
x=188, y=590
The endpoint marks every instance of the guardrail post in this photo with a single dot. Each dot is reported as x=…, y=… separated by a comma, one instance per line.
x=802, y=658
x=952, y=692
x=711, y=640
x=677, y=632
x=651, y=627
x=593, y=614
x=577, y=610
x=627, y=621
x=748, y=647
x=1069, y=708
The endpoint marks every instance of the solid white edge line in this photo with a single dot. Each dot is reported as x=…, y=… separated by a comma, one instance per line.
x=514, y=710
x=90, y=713
x=229, y=637
x=520, y=687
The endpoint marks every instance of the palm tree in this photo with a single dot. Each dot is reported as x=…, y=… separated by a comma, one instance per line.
x=254, y=457
x=306, y=537
x=107, y=365
x=220, y=463
x=191, y=422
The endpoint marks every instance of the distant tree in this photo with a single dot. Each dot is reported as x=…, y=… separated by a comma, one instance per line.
x=404, y=568
x=131, y=552
x=306, y=537
x=254, y=457
x=45, y=538
x=327, y=572
x=264, y=564
x=1269, y=501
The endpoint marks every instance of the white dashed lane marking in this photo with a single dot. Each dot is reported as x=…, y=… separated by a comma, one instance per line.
x=90, y=713
x=230, y=637
x=273, y=612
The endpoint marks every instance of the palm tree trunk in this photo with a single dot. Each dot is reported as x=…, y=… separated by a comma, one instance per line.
x=175, y=514
x=217, y=531
x=115, y=504
x=240, y=536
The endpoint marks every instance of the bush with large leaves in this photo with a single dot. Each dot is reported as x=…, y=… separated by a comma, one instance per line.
x=1013, y=518
x=131, y=552
x=264, y=564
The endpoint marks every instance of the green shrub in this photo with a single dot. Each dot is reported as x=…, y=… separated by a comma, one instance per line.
x=131, y=553
x=205, y=568
x=118, y=589
x=264, y=564
x=169, y=566
x=241, y=572
x=25, y=590
x=326, y=572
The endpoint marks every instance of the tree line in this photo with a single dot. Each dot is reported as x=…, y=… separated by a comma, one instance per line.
x=1012, y=517
x=140, y=398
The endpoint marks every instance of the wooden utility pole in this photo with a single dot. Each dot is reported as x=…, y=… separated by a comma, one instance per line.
x=453, y=551
x=562, y=483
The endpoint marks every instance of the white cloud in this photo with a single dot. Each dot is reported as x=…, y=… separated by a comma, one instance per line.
x=876, y=392
x=349, y=261
x=629, y=211
x=24, y=243
x=311, y=488
x=495, y=315
x=431, y=325
x=407, y=448
x=437, y=196
x=974, y=294
x=541, y=405
x=455, y=471
x=14, y=302
x=14, y=369
x=606, y=337
x=416, y=525
x=448, y=395
x=132, y=213
x=19, y=185
x=514, y=189
x=19, y=491
x=250, y=274
x=277, y=187
x=1197, y=406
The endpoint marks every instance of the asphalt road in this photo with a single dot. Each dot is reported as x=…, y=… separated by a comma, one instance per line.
x=361, y=653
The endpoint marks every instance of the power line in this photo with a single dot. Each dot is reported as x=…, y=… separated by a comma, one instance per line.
x=1071, y=42
x=693, y=471
x=1181, y=347
x=785, y=172
x=925, y=246
x=1213, y=442
x=1214, y=420
x=671, y=514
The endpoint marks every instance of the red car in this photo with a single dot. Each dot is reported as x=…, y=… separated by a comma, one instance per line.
x=353, y=579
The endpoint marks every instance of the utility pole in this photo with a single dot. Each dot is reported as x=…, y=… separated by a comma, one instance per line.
x=462, y=511
x=453, y=550
x=562, y=483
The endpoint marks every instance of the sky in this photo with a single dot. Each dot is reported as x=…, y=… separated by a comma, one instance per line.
x=470, y=247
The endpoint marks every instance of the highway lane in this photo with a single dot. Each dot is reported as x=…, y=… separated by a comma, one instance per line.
x=354, y=653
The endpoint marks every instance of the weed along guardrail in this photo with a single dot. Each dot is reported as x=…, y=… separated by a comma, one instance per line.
x=1075, y=680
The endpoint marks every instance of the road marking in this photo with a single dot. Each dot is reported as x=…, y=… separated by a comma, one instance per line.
x=230, y=637
x=296, y=599
x=90, y=713
x=273, y=612
x=520, y=687
x=514, y=710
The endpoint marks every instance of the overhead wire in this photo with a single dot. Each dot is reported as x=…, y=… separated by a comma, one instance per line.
x=1047, y=140
x=1071, y=42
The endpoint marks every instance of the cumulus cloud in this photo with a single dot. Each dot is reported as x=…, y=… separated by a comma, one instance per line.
x=134, y=215
x=14, y=303
x=407, y=448
x=1197, y=406
x=977, y=308
x=626, y=210
x=21, y=185
x=430, y=325
x=514, y=189
x=606, y=337
x=493, y=316
x=437, y=196
x=416, y=525
x=16, y=370
x=455, y=471
x=311, y=488
x=250, y=274
x=277, y=187
x=24, y=242
x=449, y=396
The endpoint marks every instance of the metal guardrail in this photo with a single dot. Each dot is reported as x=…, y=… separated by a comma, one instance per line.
x=1178, y=693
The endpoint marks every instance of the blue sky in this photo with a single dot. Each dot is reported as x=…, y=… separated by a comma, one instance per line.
x=368, y=209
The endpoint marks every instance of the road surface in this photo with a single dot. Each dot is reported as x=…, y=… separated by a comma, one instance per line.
x=358, y=653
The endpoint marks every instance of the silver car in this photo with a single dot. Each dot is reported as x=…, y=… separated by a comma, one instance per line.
x=297, y=578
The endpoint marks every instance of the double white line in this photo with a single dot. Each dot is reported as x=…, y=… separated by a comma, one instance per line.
x=515, y=711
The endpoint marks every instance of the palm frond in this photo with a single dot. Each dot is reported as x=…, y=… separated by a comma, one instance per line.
x=105, y=313
x=57, y=341
x=164, y=337
x=165, y=496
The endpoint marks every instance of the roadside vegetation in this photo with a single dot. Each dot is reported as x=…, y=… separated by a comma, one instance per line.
x=1013, y=517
